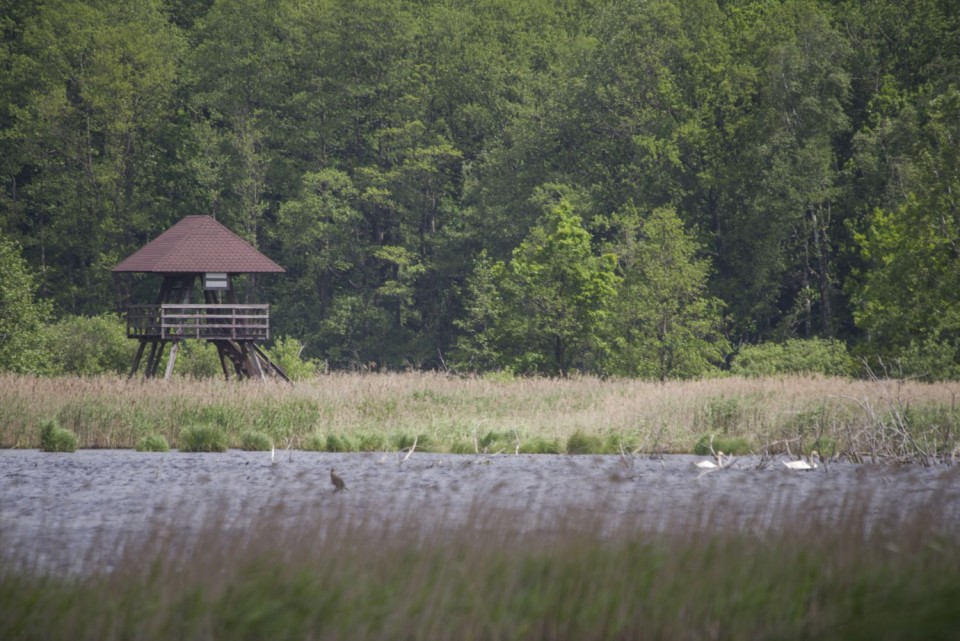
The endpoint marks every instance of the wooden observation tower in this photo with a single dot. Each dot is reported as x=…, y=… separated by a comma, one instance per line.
x=199, y=251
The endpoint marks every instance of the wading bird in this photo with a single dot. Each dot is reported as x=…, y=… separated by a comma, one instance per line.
x=338, y=483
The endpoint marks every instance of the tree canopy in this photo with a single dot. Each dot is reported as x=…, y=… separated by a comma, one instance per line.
x=620, y=187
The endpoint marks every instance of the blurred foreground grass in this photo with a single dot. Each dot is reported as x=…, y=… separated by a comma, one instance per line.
x=340, y=576
x=879, y=419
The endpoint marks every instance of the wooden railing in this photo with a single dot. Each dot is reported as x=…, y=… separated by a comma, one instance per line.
x=212, y=322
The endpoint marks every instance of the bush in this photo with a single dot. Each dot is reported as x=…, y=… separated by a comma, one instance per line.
x=54, y=438
x=927, y=360
x=580, y=443
x=153, y=443
x=286, y=353
x=255, y=442
x=796, y=356
x=203, y=438
x=87, y=346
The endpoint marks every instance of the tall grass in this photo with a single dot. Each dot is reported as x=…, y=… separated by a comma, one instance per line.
x=343, y=575
x=877, y=419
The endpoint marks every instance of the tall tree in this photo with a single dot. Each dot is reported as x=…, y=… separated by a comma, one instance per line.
x=665, y=324
x=553, y=308
x=22, y=317
x=90, y=132
x=909, y=294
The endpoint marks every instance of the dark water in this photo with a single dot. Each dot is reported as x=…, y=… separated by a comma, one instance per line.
x=50, y=503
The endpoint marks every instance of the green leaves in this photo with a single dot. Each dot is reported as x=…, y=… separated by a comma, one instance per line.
x=22, y=317
x=545, y=311
x=666, y=326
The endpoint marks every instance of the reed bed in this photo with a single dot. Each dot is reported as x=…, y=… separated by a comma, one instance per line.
x=333, y=576
x=878, y=419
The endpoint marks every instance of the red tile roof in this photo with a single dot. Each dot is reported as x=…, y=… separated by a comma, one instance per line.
x=195, y=245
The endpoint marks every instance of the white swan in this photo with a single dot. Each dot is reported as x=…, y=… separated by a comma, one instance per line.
x=710, y=465
x=810, y=464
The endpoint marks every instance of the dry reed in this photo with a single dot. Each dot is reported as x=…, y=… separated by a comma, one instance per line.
x=445, y=413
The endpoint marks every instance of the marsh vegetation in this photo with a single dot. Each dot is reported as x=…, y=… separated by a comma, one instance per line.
x=860, y=420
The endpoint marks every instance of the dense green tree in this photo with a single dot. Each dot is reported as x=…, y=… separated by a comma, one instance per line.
x=22, y=316
x=665, y=325
x=551, y=310
x=908, y=297
x=375, y=148
x=97, y=79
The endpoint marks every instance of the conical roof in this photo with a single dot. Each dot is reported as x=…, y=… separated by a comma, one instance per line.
x=198, y=244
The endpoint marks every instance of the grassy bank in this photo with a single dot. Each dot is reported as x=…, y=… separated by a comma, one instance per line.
x=334, y=576
x=882, y=419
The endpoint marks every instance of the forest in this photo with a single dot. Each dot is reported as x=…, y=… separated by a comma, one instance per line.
x=634, y=188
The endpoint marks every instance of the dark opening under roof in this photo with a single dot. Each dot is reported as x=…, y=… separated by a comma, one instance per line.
x=198, y=244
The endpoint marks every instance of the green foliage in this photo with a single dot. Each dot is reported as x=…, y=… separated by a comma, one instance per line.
x=372, y=442
x=665, y=325
x=199, y=359
x=795, y=356
x=287, y=353
x=87, y=346
x=581, y=443
x=541, y=446
x=252, y=441
x=443, y=192
x=338, y=443
x=314, y=443
x=203, y=438
x=153, y=443
x=731, y=445
x=54, y=438
x=907, y=297
x=547, y=310
x=21, y=315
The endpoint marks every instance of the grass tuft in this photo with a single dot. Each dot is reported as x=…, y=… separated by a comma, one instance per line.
x=54, y=438
x=580, y=443
x=153, y=443
x=254, y=441
x=203, y=438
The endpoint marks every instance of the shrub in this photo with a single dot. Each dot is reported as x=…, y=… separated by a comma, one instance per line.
x=795, y=356
x=203, y=438
x=255, y=442
x=153, y=443
x=87, y=346
x=287, y=354
x=929, y=360
x=580, y=443
x=54, y=438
